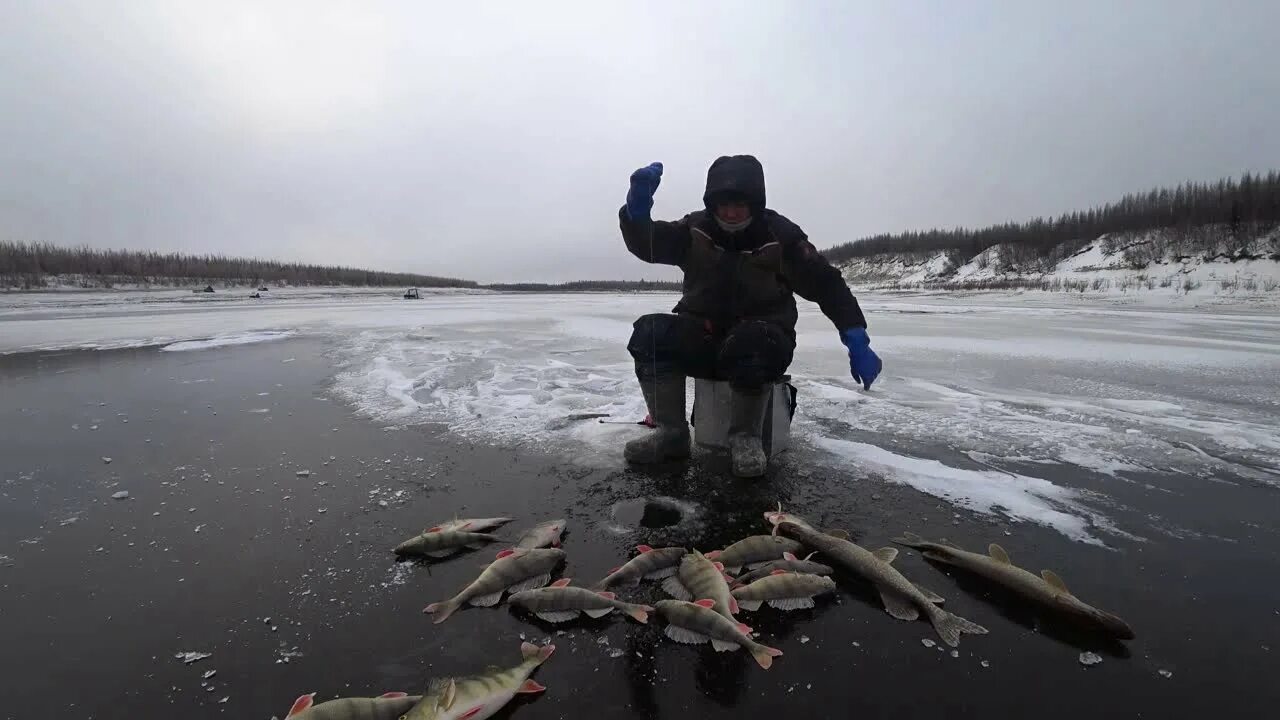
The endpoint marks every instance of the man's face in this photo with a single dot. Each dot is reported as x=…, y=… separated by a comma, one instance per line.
x=733, y=212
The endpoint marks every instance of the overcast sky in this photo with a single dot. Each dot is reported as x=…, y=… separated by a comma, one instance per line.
x=493, y=140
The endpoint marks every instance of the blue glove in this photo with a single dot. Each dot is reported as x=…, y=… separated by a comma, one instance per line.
x=864, y=364
x=644, y=183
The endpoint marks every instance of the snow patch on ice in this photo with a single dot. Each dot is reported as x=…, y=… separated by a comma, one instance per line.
x=1017, y=497
x=245, y=338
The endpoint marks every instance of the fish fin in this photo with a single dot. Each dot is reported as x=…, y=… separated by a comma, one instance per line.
x=505, y=553
x=439, y=553
x=562, y=582
x=528, y=650
x=789, y=556
x=598, y=613
x=614, y=570
x=471, y=713
x=557, y=616
x=642, y=549
x=486, y=600
x=764, y=655
x=301, y=704
x=640, y=613
x=728, y=578
x=608, y=595
x=733, y=605
x=809, y=557
x=532, y=583
x=530, y=686
x=713, y=555
x=1052, y=578
x=722, y=646
x=676, y=589
x=898, y=606
x=707, y=603
x=445, y=690
x=720, y=566
x=909, y=539
x=544, y=652
x=949, y=627
x=745, y=629
x=442, y=610
x=684, y=635
x=665, y=572
x=779, y=571
x=837, y=533
x=437, y=528
x=395, y=694
x=998, y=554
x=749, y=605
x=930, y=595
x=886, y=554
x=788, y=604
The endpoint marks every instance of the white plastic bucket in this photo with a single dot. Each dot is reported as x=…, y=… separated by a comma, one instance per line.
x=711, y=407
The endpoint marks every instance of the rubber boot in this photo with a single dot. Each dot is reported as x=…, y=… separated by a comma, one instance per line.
x=746, y=421
x=669, y=440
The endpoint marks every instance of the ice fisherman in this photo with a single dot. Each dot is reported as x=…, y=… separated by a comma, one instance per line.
x=736, y=320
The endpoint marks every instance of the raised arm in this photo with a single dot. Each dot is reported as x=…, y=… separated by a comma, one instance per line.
x=652, y=241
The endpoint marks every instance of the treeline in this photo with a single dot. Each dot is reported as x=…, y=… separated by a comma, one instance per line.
x=26, y=265
x=1243, y=207
x=590, y=286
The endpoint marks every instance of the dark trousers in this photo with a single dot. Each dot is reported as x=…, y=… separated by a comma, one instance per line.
x=750, y=355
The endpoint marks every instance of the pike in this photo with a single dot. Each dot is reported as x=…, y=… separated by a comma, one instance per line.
x=561, y=603
x=384, y=707
x=544, y=534
x=650, y=564
x=1046, y=589
x=778, y=516
x=443, y=543
x=513, y=570
x=783, y=591
x=901, y=598
x=696, y=623
x=790, y=563
x=470, y=524
x=699, y=577
x=752, y=551
x=480, y=696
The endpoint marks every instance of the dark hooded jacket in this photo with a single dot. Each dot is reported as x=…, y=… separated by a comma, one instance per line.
x=751, y=274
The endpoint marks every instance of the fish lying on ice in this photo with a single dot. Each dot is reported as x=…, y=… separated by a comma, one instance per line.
x=774, y=517
x=385, y=707
x=443, y=543
x=752, y=551
x=470, y=524
x=699, y=578
x=695, y=623
x=790, y=563
x=561, y=603
x=1046, y=589
x=513, y=570
x=783, y=591
x=542, y=535
x=901, y=598
x=480, y=696
x=650, y=564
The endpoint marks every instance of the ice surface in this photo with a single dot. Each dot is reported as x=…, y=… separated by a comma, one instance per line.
x=246, y=338
x=986, y=401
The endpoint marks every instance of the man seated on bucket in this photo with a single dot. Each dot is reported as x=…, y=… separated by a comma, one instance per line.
x=736, y=320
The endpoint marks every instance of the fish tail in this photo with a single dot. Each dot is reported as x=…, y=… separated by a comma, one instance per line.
x=949, y=627
x=764, y=655
x=442, y=610
x=640, y=613
x=910, y=539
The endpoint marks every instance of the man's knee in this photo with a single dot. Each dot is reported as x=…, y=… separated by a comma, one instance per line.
x=755, y=354
x=655, y=343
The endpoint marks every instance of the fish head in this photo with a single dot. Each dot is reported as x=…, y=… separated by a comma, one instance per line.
x=1088, y=614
